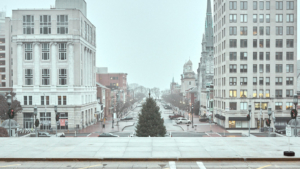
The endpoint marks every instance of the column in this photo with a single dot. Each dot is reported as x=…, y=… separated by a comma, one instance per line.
x=36, y=64
x=53, y=64
x=85, y=67
x=71, y=64
x=19, y=64
x=90, y=68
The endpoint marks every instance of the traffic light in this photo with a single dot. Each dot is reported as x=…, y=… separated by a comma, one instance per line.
x=294, y=114
x=11, y=113
x=57, y=117
x=268, y=122
x=37, y=122
x=248, y=117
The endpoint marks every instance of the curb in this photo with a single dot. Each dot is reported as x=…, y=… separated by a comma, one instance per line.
x=128, y=126
x=178, y=126
x=151, y=159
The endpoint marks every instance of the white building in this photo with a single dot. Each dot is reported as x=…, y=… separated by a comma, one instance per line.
x=255, y=53
x=187, y=78
x=53, y=54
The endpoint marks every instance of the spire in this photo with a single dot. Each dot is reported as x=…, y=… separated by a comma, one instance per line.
x=208, y=9
x=209, y=25
x=173, y=80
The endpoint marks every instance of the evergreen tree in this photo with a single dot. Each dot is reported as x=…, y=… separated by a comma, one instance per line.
x=150, y=122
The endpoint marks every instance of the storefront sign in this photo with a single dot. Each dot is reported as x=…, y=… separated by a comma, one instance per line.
x=62, y=122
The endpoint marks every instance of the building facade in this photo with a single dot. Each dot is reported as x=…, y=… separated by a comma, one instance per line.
x=255, y=53
x=187, y=78
x=54, y=56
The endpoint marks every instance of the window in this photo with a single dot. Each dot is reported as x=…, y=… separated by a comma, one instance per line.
x=254, y=18
x=254, y=68
x=243, y=55
x=261, y=18
x=261, y=55
x=289, y=55
x=268, y=18
x=232, y=30
x=279, y=30
x=25, y=100
x=28, y=77
x=290, y=43
x=267, y=93
x=289, y=93
x=243, y=93
x=59, y=100
x=289, y=105
x=243, y=43
x=244, y=18
x=62, y=51
x=62, y=24
x=64, y=100
x=254, y=30
x=243, y=81
x=232, y=55
x=254, y=55
x=261, y=5
x=267, y=55
x=244, y=30
x=244, y=106
x=232, y=43
x=232, y=105
x=278, y=106
x=243, y=68
x=254, y=80
x=232, y=5
x=261, y=30
x=278, y=93
x=290, y=5
x=232, y=18
x=261, y=81
x=28, y=24
x=278, y=81
x=254, y=43
x=289, y=68
x=290, y=30
x=28, y=51
x=259, y=106
x=261, y=43
x=243, y=5
x=279, y=43
x=278, y=55
x=279, y=18
x=30, y=100
x=45, y=24
x=279, y=5
x=268, y=5
x=232, y=68
x=289, y=18
x=254, y=93
x=261, y=93
x=267, y=30
x=289, y=81
x=267, y=81
x=232, y=81
x=45, y=77
x=278, y=68
x=45, y=51
x=267, y=68
x=254, y=5
x=268, y=43
x=62, y=76
x=232, y=93
x=261, y=68
x=44, y=100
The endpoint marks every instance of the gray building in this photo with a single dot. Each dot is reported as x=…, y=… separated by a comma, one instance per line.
x=255, y=58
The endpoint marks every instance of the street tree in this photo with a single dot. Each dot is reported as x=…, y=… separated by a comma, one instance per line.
x=16, y=105
x=150, y=122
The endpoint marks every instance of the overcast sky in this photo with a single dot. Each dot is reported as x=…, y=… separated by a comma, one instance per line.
x=148, y=39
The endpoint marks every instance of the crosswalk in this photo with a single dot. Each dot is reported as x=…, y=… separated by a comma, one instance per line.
x=172, y=165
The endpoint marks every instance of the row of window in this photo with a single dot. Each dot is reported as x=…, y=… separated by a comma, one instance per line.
x=244, y=18
x=244, y=43
x=62, y=77
x=261, y=30
x=258, y=105
x=244, y=67
x=62, y=51
x=62, y=100
x=243, y=81
x=261, y=94
x=260, y=5
x=261, y=56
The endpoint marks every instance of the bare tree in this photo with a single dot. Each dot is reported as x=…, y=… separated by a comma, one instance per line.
x=4, y=106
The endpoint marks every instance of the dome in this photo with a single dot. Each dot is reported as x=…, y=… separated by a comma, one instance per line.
x=292, y=123
x=189, y=62
x=13, y=124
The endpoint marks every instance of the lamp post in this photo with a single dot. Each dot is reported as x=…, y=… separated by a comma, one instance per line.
x=193, y=116
x=260, y=114
x=35, y=113
x=9, y=104
x=249, y=109
x=269, y=113
x=55, y=109
x=295, y=100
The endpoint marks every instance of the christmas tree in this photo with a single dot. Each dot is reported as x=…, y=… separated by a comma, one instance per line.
x=150, y=122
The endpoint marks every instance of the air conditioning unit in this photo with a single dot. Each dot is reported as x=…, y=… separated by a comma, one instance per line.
x=241, y=83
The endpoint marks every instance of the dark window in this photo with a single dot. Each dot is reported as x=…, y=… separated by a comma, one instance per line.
x=267, y=43
x=289, y=55
x=254, y=68
x=289, y=81
x=278, y=55
x=232, y=68
x=267, y=68
x=255, y=43
x=243, y=68
x=243, y=55
x=261, y=55
x=232, y=105
x=278, y=81
x=267, y=55
x=279, y=43
x=254, y=55
x=267, y=81
x=243, y=43
x=278, y=93
x=261, y=81
x=254, y=80
x=289, y=93
x=261, y=43
x=278, y=68
x=290, y=43
x=254, y=30
x=233, y=43
x=232, y=55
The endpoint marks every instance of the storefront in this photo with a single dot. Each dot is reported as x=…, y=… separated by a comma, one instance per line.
x=63, y=121
x=238, y=122
x=45, y=121
x=28, y=119
x=281, y=122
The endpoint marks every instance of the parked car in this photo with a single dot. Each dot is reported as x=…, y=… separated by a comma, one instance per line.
x=127, y=118
x=167, y=107
x=181, y=120
x=43, y=134
x=281, y=131
x=107, y=135
x=175, y=116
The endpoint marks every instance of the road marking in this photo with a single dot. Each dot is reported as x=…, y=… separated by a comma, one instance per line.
x=201, y=165
x=172, y=164
x=9, y=165
x=264, y=166
x=91, y=166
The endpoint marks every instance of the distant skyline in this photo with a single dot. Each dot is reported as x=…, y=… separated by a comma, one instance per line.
x=149, y=40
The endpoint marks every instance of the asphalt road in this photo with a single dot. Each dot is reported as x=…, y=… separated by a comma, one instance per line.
x=152, y=165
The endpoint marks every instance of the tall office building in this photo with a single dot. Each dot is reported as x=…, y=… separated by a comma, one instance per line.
x=54, y=56
x=255, y=53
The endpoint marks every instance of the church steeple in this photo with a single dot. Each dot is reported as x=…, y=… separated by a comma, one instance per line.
x=209, y=25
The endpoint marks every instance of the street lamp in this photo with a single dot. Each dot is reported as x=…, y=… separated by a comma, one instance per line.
x=295, y=100
x=249, y=109
x=9, y=104
x=193, y=116
x=269, y=113
x=55, y=109
x=35, y=113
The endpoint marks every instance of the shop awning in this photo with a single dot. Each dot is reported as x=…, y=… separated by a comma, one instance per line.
x=283, y=118
x=217, y=115
x=238, y=118
x=222, y=117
